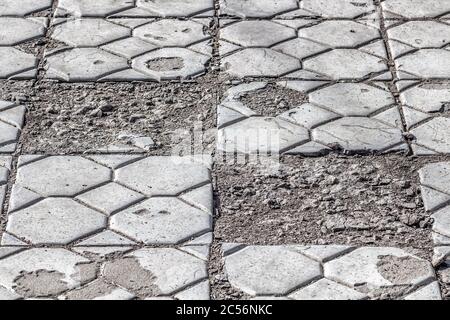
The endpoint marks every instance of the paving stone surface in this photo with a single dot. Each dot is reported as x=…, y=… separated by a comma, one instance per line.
x=129, y=49
x=434, y=179
x=304, y=49
x=135, y=8
x=296, y=8
x=68, y=199
x=415, y=9
x=148, y=273
x=328, y=272
x=11, y=122
x=354, y=118
x=425, y=106
x=5, y=167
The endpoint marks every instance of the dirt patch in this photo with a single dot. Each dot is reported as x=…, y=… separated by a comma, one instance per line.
x=75, y=118
x=128, y=273
x=93, y=290
x=165, y=64
x=273, y=100
x=400, y=270
x=40, y=283
x=331, y=200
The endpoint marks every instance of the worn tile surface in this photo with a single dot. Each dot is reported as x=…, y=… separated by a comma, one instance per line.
x=129, y=49
x=55, y=273
x=344, y=116
x=328, y=272
x=68, y=199
x=11, y=122
x=301, y=48
x=434, y=179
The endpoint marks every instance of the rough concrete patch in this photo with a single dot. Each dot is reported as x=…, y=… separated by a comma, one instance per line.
x=40, y=283
x=273, y=100
x=128, y=273
x=165, y=64
x=85, y=272
x=92, y=291
x=401, y=270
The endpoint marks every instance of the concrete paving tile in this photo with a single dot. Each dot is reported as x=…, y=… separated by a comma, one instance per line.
x=65, y=199
x=12, y=118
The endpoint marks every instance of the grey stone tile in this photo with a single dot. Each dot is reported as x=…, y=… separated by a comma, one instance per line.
x=56, y=273
x=109, y=200
x=306, y=49
x=348, y=117
x=14, y=30
x=125, y=49
x=354, y=273
x=296, y=8
x=26, y=7
x=5, y=167
x=139, y=8
x=12, y=118
x=413, y=9
x=16, y=64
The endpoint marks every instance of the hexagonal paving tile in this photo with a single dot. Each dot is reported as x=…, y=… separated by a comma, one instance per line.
x=17, y=64
x=418, y=34
x=266, y=270
x=17, y=30
x=256, y=33
x=89, y=32
x=73, y=196
x=254, y=48
x=162, y=221
x=62, y=175
x=357, y=134
x=346, y=64
x=339, y=8
x=349, y=117
x=348, y=273
x=83, y=64
x=256, y=8
x=416, y=8
x=142, y=274
x=12, y=118
x=168, y=176
x=432, y=137
x=55, y=221
x=259, y=62
x=374, y=270
x=87, y=8
x=424, y=64
x=10, y=7
x=171, y=32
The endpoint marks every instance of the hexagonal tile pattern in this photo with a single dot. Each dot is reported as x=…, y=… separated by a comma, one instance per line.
x=109, y=200
x=16, y=64
x=424, y=64
x=346, y=117
x=14, y=31
x=413, y=9
x=327, y=272
x=299, y=48
x=296, y=8
x=12, y=118
x=435, y=191
x=138, y=8
x=54, y=273
x=425, y=106
x=119, y=49
x=26, y=7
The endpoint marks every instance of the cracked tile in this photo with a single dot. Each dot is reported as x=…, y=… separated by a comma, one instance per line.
x=54, y=273
x=306, y=49
x=12, y=119
x=347, y=117
x=60, y=200
x=118, y=49
x=365, y=272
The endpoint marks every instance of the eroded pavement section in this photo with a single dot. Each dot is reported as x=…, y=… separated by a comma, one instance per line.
x=131, y=227
x=328, y=272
